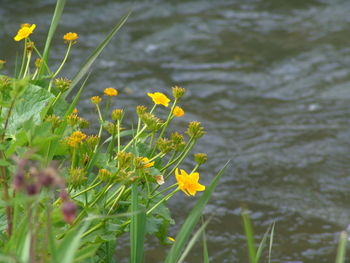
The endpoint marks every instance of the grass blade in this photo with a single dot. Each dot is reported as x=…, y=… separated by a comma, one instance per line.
x=191, y=220
x=54, y=23
x=342, y=247
x=70, y=244
x=248, y=229
x=205, y=249
x=86, y=66
x=271, y=240
x=193, y=241
x=137, y=228
x=262, y=244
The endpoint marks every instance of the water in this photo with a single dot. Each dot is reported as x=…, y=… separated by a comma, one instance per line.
x=268, y=79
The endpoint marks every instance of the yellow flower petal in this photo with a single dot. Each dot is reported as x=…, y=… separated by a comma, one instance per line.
x=70, y=36
x=188, y=183
x=25, y=31
x=178, y=112
x=147, y=163
x=111, y=92
x=159, y=98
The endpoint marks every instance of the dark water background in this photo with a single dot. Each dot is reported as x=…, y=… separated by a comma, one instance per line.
x=270, y=81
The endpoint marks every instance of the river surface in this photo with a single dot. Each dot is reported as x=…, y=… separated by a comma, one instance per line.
x=269, y=80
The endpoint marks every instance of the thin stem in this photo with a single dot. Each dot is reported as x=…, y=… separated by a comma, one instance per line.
x=117, y=199
x=27, y=66
x=118, y=135
x=167, y=197
x=64, y=60
x=86, y=190
x=164, y=190
x=24, y=57
x=42, y=60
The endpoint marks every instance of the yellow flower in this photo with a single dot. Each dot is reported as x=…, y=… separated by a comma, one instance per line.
x=75, y=139
x=75, y=111
x=110, y=92
x=25, y=31
x=70, y=37
x=95, y=99
x=178, y=112
x=171, y=239
x=159, y=98
x=147, y=163
x=188, y=183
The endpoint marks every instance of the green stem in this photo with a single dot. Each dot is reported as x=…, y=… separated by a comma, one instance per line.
x=164, y=190
x=64, y=60
x=117, y=199
x=27, y=65
x=118, y=135
x=188, y=145
x=167, y=197
x=24, y=57
x=42, y=60
x=86, y=190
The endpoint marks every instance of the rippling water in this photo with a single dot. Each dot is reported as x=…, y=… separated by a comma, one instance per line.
x=270, y=81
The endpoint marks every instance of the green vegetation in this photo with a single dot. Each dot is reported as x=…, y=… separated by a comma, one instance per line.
x=68, y=195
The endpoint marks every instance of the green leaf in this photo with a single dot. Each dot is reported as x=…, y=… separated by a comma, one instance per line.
x=70, y=244
x=19, y=140
x=193, y=241
x=191, y=220
x=341, y=253
x=262, y=244
x=248, y=229
x=28, y=107
x=137, y=228
x=86, y=66
x=205, y=248
x=86, y=252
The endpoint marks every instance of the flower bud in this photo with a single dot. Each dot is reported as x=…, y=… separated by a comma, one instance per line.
x=72, y=120
x=140, y=110
x=38, y=62
x=138, y=163
x=104, y=175
x=178, y=142
x=77, y=176
x=69, y=210
x=117, y=114
x=55, y=121
x=83, y=123
x=200, y=158
x=110, y=127
x=124, y=159
x=92, y=141
x=178, y=92
x=164, y=145
x=195, y=130
x=62, y=84
x=64, y=195
x=96, y=99
x=29, y=46
x=152, y=122
x=18, y=180
x=32, y=189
